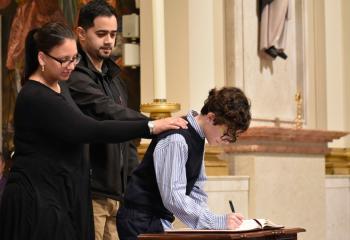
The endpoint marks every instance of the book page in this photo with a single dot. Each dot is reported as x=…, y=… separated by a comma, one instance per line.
x=266, y=224
x=248, y=224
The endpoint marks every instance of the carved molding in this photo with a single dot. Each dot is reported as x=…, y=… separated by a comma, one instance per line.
x=284, y=140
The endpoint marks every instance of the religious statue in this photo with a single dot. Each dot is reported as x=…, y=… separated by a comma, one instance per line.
x=274, y=16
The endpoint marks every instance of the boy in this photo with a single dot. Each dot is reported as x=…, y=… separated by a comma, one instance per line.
x=169, y=182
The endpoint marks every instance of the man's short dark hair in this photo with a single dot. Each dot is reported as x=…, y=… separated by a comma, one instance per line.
x=92, y=10
x=231, y=107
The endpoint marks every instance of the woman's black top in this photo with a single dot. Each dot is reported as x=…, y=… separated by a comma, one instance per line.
x=47, y=194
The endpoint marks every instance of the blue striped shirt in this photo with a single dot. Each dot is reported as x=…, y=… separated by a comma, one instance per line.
x=170, y=157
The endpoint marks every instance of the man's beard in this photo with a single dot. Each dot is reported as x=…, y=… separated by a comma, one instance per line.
x=101, y=54
x=103, y=57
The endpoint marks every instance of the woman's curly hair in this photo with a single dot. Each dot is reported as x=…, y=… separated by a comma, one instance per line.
x=231, y=108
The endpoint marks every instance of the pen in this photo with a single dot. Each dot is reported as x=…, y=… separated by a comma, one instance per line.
x=231, y=206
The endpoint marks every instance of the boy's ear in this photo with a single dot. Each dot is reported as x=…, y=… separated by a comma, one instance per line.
x=211, y=117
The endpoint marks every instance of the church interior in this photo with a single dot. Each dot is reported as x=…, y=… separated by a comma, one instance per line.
x=292, y=166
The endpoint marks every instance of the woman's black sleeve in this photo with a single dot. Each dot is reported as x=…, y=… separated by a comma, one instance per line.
x=55, y=116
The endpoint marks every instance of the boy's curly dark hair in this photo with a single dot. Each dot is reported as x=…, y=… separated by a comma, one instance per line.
x=231, y=107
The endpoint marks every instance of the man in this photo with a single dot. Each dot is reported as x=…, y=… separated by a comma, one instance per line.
x=169, y=181
x=97, y=89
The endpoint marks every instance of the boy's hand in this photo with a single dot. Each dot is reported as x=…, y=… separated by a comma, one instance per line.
x=234, y=220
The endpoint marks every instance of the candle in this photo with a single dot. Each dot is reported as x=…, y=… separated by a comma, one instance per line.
x=159, y=82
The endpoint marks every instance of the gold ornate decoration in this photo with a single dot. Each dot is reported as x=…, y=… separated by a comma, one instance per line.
x=338, y=161
x=160, y=108
x=298, y=120
x=215, y=163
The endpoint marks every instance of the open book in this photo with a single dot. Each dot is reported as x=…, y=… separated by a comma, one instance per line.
x=247, y=225
x=257, y=223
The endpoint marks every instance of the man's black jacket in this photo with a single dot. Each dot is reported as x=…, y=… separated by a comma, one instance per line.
x=103, y=96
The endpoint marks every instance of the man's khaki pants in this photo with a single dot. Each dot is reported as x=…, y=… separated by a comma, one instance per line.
x=105, y=211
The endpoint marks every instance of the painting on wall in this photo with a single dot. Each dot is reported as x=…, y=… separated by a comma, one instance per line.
x=19, y=17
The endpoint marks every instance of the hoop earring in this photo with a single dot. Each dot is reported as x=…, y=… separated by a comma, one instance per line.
x=42, y=68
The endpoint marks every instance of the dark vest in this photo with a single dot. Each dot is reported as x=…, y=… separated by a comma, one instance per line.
x=142, y=192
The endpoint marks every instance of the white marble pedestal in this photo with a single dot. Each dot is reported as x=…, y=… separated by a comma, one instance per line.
x=338, y=207
x=286, y=168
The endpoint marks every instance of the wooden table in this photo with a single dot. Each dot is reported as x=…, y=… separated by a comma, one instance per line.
x=277, y=234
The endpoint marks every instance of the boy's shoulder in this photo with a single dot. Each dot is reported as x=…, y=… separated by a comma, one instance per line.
x=184, y=132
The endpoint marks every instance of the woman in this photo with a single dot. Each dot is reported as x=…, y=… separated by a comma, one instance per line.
x=47, y=194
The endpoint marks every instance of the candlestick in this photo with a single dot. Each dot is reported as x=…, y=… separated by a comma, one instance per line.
x=298, y=119
x=159, y=108
x=159, y=81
